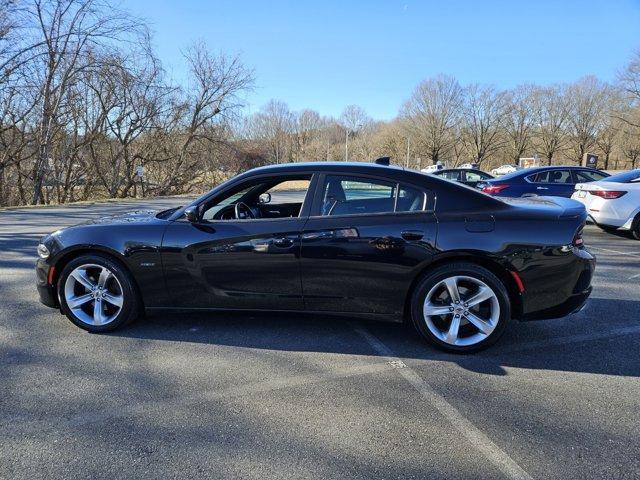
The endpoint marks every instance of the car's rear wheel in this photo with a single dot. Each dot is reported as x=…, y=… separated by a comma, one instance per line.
x=635, y=227
x=608, y=229
x=97, y=294
x=460, y=307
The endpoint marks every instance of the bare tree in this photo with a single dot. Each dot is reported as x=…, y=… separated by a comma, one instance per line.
x=274, y=125
x=307, y=125
x=588, y=99
x=630, y=143
x=518, y=121
x=484, y=108
x=629, y=78
x=69, y=30
x=551, y=111
x=353, y=120
x=432, y=113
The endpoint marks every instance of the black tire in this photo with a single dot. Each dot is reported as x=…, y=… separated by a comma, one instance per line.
x=433, y=278
x=131, y=304
x=606, y=228
x=635, y=227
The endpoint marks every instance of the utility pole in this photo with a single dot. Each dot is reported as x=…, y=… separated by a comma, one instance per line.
x=346, y=140
x=346, y=145
x=408, y=139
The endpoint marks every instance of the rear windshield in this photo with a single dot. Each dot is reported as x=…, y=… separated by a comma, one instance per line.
x=625, y=177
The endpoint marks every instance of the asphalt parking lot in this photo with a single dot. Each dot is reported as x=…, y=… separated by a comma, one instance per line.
x=290, y=396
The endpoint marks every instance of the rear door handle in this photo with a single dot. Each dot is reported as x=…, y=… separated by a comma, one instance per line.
x=412, y=234
x=542, y=188
x=283, y=242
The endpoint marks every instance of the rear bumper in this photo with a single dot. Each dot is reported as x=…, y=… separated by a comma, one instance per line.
x=565, y=297
x=572, y=305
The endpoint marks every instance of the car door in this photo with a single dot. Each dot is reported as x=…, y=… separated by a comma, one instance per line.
x=237, y=263
x=363, y=244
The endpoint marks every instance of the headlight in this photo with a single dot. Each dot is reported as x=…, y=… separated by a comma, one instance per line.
x=43, y=251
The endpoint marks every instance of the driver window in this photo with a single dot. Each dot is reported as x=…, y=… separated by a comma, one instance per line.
x=210, y=213
x=268, y=198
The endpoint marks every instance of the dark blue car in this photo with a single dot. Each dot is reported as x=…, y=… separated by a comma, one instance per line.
x=541, y=181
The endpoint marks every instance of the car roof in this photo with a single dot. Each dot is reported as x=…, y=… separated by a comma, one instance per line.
x=457, y=170
x=529, y=171
x=328, y=165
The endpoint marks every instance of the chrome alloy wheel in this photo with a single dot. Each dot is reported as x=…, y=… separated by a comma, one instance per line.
x=461, y=310
x=93, y=294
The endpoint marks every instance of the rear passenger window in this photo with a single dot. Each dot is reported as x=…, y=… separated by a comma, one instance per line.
x=450, y=175
x=409, y=199
x=344, y=195
x=552, y=176
x=353, y=195
x=587, y=176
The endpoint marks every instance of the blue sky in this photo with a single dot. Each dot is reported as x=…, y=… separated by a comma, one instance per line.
x=327, y=54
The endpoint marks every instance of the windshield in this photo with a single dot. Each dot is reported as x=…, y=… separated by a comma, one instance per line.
x=625, y=177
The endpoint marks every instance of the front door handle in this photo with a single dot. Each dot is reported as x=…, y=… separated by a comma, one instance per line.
x=283, y=242
x=542, y=188
x=412, y=234
x=319, y=234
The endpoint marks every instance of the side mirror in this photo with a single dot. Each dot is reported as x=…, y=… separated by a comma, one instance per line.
x=264, y=197
x=191, y=214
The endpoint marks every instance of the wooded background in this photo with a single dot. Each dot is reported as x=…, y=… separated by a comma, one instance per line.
x=84, y=102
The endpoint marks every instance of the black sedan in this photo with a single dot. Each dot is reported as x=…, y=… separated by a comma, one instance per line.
x=468, y=176
x=347, y=238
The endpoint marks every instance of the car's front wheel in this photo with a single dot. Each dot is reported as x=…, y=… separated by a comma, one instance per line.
x=97, y=294
x=460, y=307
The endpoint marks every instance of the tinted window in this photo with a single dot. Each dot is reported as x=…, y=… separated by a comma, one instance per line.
x=409, y=199
x=477, y=176
x=451, y=175
x=588, y=176
x=344, y=195
x=352, y=195
x=626, y=177
x=552, y=176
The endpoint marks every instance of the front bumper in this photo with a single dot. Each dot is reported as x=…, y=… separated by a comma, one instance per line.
x=46, y=291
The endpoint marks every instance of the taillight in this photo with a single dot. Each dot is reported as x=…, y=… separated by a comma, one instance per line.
x=578, y=241
x=607, y=194
x=492, y=189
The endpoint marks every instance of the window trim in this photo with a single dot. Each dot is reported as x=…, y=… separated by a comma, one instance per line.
x=315, y=212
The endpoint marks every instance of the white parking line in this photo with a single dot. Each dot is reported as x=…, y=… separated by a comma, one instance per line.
x=618, y=252
x=478, y=439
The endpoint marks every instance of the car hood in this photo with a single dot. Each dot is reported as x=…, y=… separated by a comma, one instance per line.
x=137, y=216
x=556, y=206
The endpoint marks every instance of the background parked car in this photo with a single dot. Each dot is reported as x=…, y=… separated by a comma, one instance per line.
x=613, y=202
x=468, y=176
x=541, y=181
x=504, y=169
x=433, y=168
